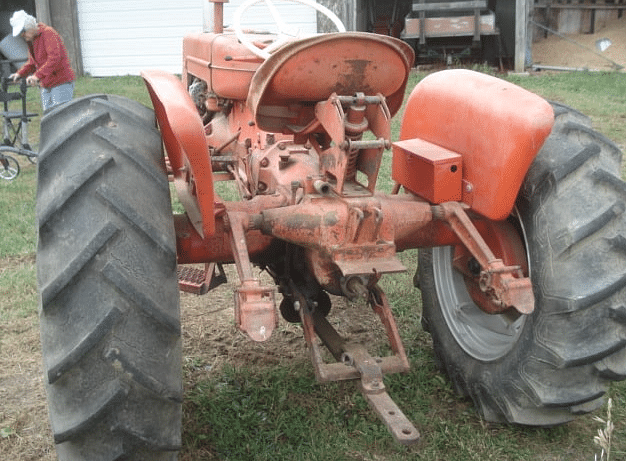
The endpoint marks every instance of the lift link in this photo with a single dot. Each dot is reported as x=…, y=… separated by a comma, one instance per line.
x=354, y=362
x=505, y=285
x=255, y=311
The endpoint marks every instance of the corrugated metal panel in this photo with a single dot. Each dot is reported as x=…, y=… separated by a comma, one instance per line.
x=123, y=37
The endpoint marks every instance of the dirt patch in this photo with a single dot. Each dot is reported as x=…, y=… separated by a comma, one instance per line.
x=24, y=428
x=12, y=261
x=557, y=51
x=212, y=340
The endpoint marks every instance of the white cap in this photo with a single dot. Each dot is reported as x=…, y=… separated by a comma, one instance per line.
x=22, y=20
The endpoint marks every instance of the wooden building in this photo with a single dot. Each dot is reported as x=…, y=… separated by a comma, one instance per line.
x=511, y=19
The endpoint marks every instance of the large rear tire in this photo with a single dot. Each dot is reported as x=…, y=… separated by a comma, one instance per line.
x=547, y=367
x=106, y=263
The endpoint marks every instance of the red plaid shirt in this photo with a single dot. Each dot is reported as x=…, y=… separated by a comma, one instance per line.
x=47, y=59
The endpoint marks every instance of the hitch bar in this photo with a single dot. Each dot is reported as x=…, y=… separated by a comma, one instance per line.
x=354, y=362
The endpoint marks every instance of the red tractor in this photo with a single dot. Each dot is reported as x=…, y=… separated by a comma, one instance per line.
x=516, y=204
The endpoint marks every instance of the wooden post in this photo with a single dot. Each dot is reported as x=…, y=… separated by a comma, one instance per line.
x=63, y=16
x=43, y=11
x=521, y=33
x=218, y=15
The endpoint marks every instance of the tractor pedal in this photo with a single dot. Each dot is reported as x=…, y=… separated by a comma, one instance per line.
x=198, y=281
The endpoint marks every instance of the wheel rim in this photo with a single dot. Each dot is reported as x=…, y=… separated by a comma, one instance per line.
x=10, y=170
x=485, y=337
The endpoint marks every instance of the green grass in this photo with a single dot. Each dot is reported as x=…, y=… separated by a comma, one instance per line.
x=600, y=95
x=129, y=86
x=18, y=289
x=281, y=412
x=18, y=236
x=17, y=208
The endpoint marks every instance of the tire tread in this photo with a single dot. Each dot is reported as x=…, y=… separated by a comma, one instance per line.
x=574, y=343
x=106, y=261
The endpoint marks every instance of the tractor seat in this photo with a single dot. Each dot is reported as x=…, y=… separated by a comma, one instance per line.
x=286, y=87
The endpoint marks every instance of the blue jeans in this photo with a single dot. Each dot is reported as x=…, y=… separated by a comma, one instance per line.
x=57, y=95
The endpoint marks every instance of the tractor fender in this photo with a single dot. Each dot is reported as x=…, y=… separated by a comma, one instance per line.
x=497, y=127
x=185, y=143
x=312, y=69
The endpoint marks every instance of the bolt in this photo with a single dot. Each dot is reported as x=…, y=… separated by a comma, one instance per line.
x=357, y=288
x=474, y=267
x=265, y=162
x=347, y=359
x=296, y=306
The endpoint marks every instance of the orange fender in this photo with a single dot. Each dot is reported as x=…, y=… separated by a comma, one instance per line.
x=497, y=127
x=183, y=135
x=312, y=69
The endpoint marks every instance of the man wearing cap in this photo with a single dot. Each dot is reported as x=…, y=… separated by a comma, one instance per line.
x=48, y=65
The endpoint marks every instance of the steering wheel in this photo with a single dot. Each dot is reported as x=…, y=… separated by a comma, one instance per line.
x=285, y=33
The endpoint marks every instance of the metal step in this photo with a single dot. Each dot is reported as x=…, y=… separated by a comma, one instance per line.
x=198, y=281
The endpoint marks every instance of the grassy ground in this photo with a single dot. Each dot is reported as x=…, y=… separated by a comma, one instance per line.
x=274, y=409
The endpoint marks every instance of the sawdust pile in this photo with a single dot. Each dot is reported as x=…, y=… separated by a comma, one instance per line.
x=556, y=51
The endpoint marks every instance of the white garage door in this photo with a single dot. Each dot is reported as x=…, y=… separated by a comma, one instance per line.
x=123, y=37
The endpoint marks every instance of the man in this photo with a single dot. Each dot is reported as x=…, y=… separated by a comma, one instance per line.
x=48, y=65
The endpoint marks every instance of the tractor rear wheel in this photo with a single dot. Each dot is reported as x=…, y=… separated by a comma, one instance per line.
x=547, y=367
x=106, y=263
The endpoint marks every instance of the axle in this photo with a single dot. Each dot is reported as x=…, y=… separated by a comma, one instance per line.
x=347, y=241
